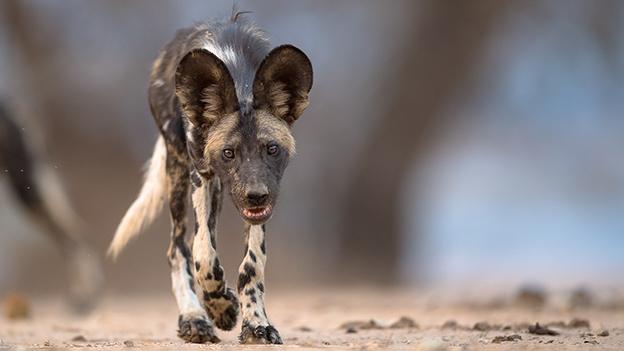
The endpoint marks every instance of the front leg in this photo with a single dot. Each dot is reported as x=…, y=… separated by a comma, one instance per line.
x=256, y=326
x=219, y=301
x=193, y=322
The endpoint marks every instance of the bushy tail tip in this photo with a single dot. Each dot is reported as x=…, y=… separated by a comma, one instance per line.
x=147, y=205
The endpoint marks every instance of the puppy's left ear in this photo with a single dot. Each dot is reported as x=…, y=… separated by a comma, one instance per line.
x=282, y=83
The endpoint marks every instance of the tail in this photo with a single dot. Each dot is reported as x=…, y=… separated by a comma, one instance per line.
x=147, y=205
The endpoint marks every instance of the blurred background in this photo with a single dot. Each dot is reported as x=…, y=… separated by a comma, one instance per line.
x=471, y=142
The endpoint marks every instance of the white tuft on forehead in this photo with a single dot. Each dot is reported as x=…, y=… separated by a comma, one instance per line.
x=227, y=54
x=241, y=46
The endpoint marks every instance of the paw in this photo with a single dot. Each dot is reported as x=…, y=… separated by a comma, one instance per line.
x=222, y=309
x=196, y=329
x=259, y=334
x=227, y=319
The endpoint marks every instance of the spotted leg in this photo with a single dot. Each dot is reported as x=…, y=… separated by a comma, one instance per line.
x=193, y=322
x=218, y=300
x=256, y=326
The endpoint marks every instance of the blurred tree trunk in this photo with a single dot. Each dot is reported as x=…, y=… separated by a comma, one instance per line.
x=448, y=40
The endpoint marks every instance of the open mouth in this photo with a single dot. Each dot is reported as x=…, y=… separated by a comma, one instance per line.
x=256, y=214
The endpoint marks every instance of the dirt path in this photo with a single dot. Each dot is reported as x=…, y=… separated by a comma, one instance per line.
x=313, y=321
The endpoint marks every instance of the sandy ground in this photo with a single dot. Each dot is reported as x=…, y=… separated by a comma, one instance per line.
x=313, y=320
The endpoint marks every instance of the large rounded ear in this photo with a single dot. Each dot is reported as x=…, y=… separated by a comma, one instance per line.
x=204, y=88
x=282, y=83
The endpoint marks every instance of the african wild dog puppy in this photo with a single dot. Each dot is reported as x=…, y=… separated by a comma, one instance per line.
x=37, y=189
x=224, y=103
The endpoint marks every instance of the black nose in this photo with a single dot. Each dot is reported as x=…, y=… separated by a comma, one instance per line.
x=257, y=197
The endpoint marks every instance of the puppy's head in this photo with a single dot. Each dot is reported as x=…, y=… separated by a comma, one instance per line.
x=246, y=143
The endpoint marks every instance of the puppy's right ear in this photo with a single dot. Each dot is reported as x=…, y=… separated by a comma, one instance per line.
x=204, y=88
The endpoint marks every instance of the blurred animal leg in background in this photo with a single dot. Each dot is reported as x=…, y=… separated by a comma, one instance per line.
x=37, y=188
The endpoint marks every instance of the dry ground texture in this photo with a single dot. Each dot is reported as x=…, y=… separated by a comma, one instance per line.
x=361, y=319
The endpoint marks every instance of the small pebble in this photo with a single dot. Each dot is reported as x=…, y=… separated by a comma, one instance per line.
x=541, y=330
x=504, y=338
x=404, y=323
x=370, y=324
x=604, y=333
x=578, y=323
x=351, y=330
x=79, y=338
x=129, y=343
x=482, y=326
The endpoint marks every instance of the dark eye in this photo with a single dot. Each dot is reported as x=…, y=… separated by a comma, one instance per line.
x=273, y=150
x=228, y=154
